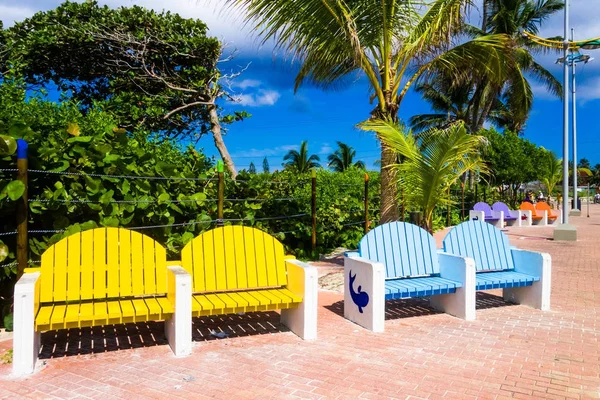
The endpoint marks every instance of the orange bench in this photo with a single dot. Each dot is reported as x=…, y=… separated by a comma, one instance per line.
x=552, y=214
x=534, y=217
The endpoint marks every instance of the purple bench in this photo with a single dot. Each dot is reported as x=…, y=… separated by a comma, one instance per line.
x=483, y=212
x=512, y=217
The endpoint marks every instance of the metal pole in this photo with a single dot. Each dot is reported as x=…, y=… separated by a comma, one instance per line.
x=366, y=203
x=220, y=192
x=588, y=198
x=574, y=66
x=313, y=210
x=565, y=200
x=22, y=208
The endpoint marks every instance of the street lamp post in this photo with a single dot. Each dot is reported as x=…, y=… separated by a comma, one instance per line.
x=575, y=211
x=565, y=231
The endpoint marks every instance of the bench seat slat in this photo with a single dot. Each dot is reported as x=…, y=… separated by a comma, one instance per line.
x=244, y=301
x=101, y=312
x=419, y=287
x=504, y=279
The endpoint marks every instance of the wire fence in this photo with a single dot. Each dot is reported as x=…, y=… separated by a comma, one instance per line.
x=245, y=193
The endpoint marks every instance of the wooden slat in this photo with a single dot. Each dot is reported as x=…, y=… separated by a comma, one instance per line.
x=252, y=301
x=165, y=305
x=229, y=256
x=270, y=259
x=204, y=303
x=127, y=308
x=241, y=254
x=74, y=267
x=87, y=265
x=193, y=261
x=100, y=312
x=153, y=306
x=72, y=313
x=149, y=266
x=57, y=319
x=219, y=259
x=112, y=263
x=210, y=278
x=137, y=264
x=114, y=309
x=99, y=263
x=47, y=276
x=60, y=270
x=160, y=255
x=227, y=300
x=141, y=310
x=214, y=299
x=43, y=315
x=250, y=257
x=125, y=257
x=261, y=260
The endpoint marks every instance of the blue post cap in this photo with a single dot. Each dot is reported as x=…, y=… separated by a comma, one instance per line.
x=22, y=149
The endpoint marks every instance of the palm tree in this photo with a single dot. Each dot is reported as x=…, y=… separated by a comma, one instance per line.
x=432, y=163
x=392, y=42
x=300, y=161
x=552, y=173
x=511, y=18
x=343, y=158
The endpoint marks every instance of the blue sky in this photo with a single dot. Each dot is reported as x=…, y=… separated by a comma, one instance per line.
x=281, y=119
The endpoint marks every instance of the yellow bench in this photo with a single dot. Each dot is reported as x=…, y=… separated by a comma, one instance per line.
x=241, y=269
x=99, y=277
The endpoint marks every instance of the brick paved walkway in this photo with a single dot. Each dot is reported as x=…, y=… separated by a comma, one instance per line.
x=508, y=352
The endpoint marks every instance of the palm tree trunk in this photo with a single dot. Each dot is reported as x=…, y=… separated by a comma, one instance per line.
x=389, y=187
x=484, y=13
x=215, y=127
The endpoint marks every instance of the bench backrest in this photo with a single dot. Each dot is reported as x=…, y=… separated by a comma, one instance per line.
x=485, y=243
x=405, y=249
x=102, y=263
x=485, y=207
x=527, y=206
x=500, y=206
x=543, y=206
x=234, y=257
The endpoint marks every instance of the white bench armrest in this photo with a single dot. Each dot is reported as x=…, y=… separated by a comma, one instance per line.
x=178, y=328
x=535, y=264
x=364, y=292
x=303, y=280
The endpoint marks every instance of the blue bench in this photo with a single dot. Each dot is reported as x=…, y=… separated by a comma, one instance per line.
x=398, y=261
x=524, y=276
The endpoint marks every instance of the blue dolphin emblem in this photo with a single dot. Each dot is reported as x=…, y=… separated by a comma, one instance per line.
x=360, y=298
x=475, y=218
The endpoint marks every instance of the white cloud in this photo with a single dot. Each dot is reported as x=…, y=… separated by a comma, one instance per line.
x=589, y=91
x=11, y=13
x=259, y=153
x=264, y=97
x=247, y=83
x=325, y=148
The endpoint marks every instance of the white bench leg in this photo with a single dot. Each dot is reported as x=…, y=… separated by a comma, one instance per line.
x=364, y=293
x=302, y=280
x=536, y=264
x=26, y=341
x=178, y=329
x=460, y=304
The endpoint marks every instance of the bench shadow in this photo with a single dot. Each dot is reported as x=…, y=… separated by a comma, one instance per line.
x=101, y=339
x=236, y=325
x=409, y=308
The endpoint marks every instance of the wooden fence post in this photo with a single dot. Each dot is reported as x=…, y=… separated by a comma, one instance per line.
x=22, y=208
x=220, y=192
x=313, y=210
x=366, y=203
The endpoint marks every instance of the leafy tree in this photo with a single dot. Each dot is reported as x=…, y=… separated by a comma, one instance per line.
x=300, y=160
x=513, y=161
x=251, y=168
x=553, y=172
x=265, y=165
x=393, y=43
x=431, y=164
x=153, y=72
x=343, y=158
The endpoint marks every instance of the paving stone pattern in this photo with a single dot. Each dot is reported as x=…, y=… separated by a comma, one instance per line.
x=510, y=351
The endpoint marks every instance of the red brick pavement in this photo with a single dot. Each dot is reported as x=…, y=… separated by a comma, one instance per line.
x=508, y=352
